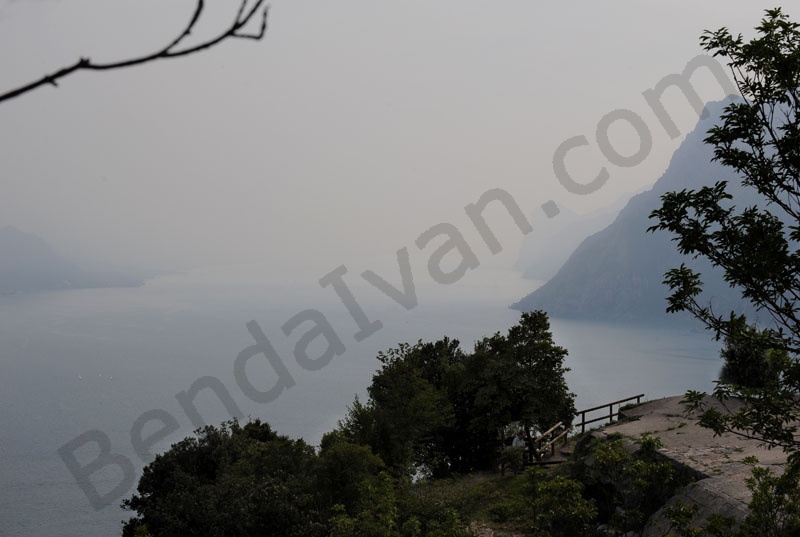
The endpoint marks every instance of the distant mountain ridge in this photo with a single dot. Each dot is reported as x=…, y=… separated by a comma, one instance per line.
x=545, y=251
x=28, y=264
x=617, y=273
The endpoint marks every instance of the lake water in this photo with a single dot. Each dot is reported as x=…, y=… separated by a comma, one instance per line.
x=85, y=360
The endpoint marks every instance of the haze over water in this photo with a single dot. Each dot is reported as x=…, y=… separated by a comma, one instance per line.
x=97, y=359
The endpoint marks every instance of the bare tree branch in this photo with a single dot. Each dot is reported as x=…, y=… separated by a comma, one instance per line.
x=235, y=31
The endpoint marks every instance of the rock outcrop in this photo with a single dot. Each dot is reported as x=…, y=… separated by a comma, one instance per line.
x=716, y=461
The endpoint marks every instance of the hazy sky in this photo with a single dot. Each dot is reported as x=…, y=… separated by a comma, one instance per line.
x=349, y=130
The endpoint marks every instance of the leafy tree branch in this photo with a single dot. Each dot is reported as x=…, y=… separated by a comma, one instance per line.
x=756, y=245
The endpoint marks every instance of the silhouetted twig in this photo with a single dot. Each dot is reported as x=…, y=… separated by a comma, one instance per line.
x=234, y=31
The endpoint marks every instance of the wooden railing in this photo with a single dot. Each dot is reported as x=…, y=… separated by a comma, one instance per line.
x=546, y=442
x=609, y=416
x=551, y=445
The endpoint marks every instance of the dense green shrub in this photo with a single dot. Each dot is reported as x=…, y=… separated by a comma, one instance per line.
x=629, y=482
x=560, y=510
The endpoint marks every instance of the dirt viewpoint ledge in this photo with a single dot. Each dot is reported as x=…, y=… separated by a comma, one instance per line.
x=717, y=460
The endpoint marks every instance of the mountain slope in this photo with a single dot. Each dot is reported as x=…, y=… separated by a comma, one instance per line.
x=27, y=263
x=545, y=251
x=617, y=272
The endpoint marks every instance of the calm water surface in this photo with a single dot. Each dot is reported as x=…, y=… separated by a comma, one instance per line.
x=97, y=359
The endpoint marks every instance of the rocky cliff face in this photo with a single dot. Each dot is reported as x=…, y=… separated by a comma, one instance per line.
x=617, y=273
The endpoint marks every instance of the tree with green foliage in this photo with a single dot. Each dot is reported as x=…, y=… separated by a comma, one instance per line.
x=435, y=409
x=755, y=246
x=344, y=472
x=409, y=413
x=247, y=481
x=229, y=481
x=519, y=377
